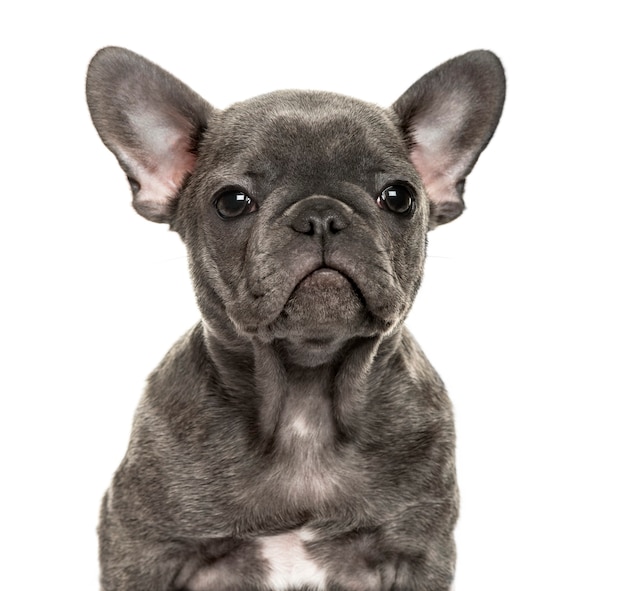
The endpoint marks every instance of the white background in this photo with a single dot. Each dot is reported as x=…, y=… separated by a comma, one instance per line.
x=521, y=311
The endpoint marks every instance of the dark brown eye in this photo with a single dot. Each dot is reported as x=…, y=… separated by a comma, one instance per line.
x=397, y=199
x=234, y=203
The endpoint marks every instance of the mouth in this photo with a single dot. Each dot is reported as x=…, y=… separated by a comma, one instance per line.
x=327, y=278
x=327, y=298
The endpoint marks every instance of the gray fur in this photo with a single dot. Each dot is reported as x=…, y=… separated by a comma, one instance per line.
x=299, y=409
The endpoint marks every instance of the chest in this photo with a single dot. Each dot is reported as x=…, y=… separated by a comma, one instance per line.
x=308, y=466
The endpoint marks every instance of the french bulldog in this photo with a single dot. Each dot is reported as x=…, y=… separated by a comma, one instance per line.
x=296, y=438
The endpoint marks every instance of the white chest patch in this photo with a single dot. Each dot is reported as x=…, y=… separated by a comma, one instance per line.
x=290, y=565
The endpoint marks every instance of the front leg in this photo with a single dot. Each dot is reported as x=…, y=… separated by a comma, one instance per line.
x=381, y=560
x=133, y=558
x=428, y=560
x=423, y=573
x=130, y=560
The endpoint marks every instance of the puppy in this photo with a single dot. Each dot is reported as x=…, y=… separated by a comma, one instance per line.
x=297, y=438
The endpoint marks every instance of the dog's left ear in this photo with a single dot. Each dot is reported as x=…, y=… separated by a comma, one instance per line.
x=448, y=117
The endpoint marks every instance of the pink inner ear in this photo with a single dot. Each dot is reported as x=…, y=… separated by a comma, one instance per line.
x=436, y=175
x=175, y=163
x=440, y=178
x=161, y=166
x=433, y=153
x=160, y=182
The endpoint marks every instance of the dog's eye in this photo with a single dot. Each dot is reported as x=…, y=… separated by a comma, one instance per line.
x=233, y=203
x=397, y=199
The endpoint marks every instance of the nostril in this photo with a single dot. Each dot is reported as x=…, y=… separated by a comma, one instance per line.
x=313, y=224
x=336, y=224
x=305, y=225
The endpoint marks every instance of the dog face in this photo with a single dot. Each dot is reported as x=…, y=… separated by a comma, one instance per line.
x=310, y=226
x=305, y=214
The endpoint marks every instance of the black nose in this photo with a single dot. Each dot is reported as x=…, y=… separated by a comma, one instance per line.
x=318, y=216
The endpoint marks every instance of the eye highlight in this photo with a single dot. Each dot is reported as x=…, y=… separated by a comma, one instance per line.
x=233, y=203
x=398, y=199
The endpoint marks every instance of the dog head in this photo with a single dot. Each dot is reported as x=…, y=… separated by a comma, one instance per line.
x=305, y=214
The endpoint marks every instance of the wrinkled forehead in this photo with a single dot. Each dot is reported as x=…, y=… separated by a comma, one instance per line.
x=307, y=133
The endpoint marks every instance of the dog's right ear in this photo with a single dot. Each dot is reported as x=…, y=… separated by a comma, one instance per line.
x=151, y=121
